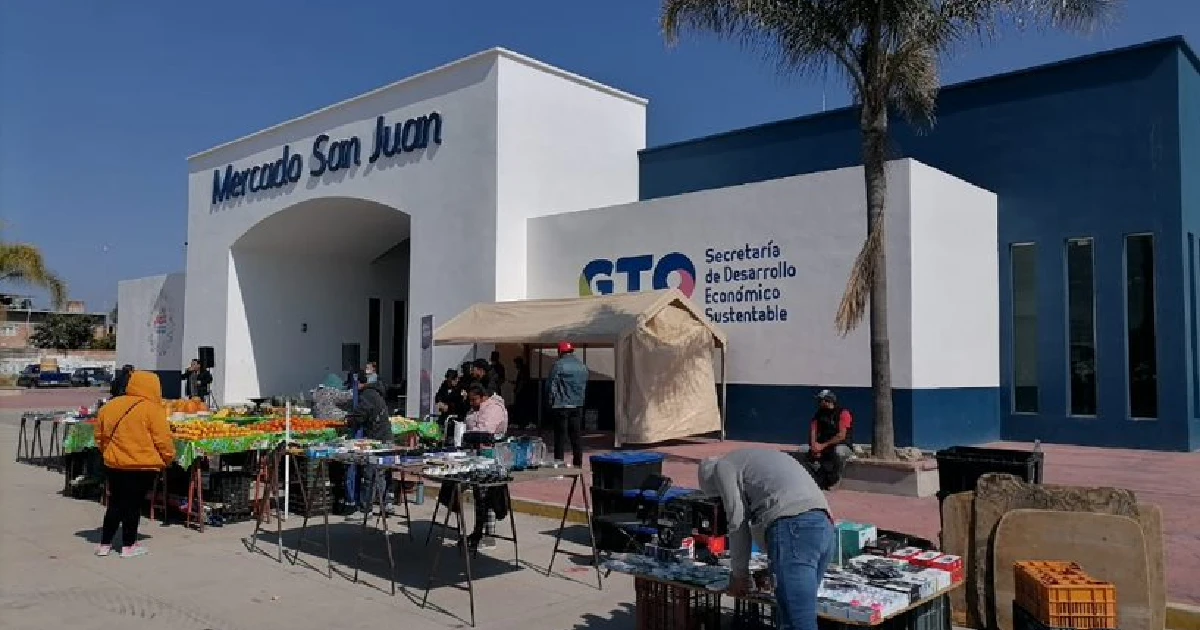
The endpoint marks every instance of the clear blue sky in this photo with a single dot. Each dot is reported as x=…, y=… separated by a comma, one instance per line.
x=102, y=101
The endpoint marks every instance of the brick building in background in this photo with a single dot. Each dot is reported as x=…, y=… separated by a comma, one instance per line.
x=19, y=318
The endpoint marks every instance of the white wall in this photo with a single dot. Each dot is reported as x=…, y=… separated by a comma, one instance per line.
x=565, y=144
x=297, y=317
x=451, y=194
x=150, y=330
x=955, y=280
x=818, y=223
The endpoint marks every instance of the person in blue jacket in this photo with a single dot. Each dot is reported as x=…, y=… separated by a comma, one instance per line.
x=566, y=388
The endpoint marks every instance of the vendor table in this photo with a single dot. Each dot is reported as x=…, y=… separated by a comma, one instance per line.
x=523, y=476
x=30, y=445
x=379, y=497
x=320, y=471
x=669, y=605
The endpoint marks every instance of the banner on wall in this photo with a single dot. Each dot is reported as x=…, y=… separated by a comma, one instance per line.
x=426, y=365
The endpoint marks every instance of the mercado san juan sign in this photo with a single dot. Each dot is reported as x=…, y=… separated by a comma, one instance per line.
x=328, y=156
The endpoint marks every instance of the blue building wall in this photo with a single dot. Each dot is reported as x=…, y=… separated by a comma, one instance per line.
x=1084, y=148
x=1189, y=141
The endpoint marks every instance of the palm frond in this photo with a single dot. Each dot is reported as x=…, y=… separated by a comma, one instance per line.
x=853, y=307
x=986, y=16
x=23, y=264
x=808, y=37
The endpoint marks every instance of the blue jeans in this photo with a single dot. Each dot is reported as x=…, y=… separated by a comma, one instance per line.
x=353, y=495
x=800, y=547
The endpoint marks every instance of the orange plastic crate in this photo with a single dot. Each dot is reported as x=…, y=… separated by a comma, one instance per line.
x=1062, y=595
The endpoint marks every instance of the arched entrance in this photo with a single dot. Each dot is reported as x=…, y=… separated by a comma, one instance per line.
x=310, y=283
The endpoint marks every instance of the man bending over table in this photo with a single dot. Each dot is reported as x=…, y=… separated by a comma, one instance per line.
x=769, y=496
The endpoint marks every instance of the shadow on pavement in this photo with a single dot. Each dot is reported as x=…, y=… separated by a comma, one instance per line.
x=621, y=618
x=92, y=536
x=413, y=558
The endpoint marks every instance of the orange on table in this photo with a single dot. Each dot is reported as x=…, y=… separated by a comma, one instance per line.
x=299, y=425
x=210, y=429
x=193, y=405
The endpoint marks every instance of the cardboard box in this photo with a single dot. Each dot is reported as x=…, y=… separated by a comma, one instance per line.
x=906, y=554
x=950, y=564
x=942, y=579
x=926, y=558
x=853, y=537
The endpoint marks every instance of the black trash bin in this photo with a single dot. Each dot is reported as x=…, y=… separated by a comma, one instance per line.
x=960, y=467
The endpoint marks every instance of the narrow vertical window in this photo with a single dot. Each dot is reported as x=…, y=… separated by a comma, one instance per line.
x=1141, y=345
x=1025, y=327
x=1193, y=324
x=373, y=322
x=1081, y=326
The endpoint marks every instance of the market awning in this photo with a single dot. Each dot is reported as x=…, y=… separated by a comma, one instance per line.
x=596, y=321
x=664, y=348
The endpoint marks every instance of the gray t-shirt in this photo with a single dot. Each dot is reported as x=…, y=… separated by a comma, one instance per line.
x=758, y=487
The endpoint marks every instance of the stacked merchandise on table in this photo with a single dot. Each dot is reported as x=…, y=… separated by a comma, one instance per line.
x=428, y=430
x=1052, y=595
x=617, y=479
x=873, y=577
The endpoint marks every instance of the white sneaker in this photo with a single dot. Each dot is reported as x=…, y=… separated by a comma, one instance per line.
x=134, y=551
x=103, y=550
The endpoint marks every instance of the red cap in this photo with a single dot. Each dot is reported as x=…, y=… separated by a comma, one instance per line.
x=565, y=347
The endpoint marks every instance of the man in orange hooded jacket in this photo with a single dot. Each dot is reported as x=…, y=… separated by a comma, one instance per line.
x=135, y=440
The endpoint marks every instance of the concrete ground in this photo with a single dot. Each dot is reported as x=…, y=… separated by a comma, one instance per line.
x=192, y=581
x=1172, y=480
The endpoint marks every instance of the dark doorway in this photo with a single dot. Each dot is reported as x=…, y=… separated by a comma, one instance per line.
x=351, y=357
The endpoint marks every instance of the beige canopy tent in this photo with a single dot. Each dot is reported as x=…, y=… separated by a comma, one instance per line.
x=664, y=349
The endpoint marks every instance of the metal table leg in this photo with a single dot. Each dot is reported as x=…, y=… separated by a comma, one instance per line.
x=437, y=505
x=562, y=524
x=378, y=493
x=512, y=521
x=460, y=526
x=322, y=466
x=160, y=482
x=270, y=498
x=194, y=514
x=466, y=553
x=404, y=497
x=55, y=448
x=37, y=442
x=23, y=452
x=587, y=513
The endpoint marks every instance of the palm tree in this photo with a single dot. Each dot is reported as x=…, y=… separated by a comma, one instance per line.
x=889, y=52
x=23, y=264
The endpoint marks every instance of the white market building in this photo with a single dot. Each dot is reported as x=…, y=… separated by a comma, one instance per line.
x=497, y=178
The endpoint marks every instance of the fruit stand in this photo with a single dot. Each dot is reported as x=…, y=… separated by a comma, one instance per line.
x=200, y=438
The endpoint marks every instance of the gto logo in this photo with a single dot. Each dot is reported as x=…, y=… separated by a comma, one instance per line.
x=597, y=276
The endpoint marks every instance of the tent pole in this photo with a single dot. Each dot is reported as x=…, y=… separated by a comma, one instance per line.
x=724, y=392
x=618, y=399
x=541, y=387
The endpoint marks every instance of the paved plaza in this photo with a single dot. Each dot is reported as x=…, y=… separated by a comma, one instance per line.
x=210, y=581
x=1172, y=480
